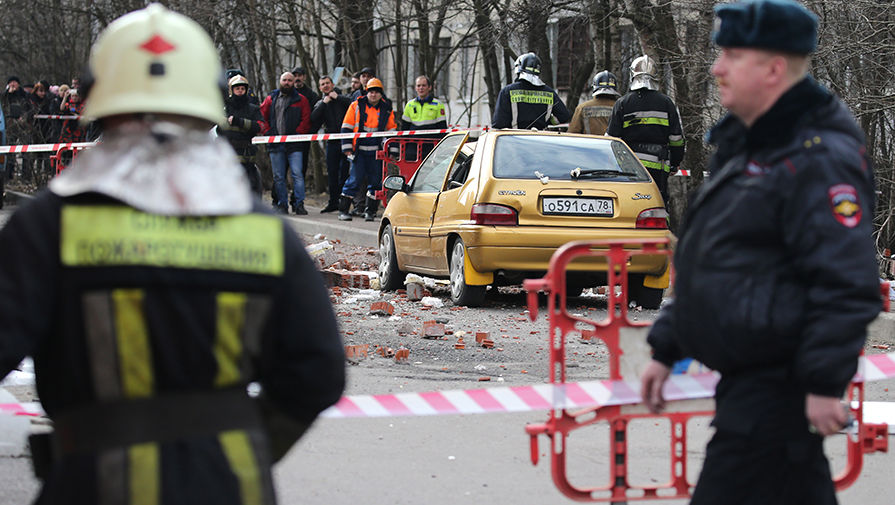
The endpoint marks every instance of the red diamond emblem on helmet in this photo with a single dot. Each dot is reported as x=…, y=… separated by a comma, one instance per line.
x=157, y=45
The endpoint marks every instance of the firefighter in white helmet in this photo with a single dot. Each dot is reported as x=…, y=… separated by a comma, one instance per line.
x=649, y=122
x=150, y=290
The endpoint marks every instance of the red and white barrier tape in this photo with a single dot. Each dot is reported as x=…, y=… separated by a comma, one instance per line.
x=517, y=398
x=311, y=137
x=55, y=116
x=44, y=148
x=527, y=398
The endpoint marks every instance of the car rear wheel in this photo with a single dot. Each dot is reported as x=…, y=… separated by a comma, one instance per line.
x=648, y=298
x=462, y=293
x=390, y=277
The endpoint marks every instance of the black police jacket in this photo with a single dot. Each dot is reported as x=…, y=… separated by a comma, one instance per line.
x=776, y=273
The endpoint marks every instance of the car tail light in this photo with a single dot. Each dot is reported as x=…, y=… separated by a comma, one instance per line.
x=653, y=218
x=492, y=213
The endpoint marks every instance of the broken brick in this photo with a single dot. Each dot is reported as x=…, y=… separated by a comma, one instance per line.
x=402, y=354
x=356, y=351
x=460, y=344
x=484, y=379
x=432, y=329
x=481, y=335
x=382, y=308
x=488, y=344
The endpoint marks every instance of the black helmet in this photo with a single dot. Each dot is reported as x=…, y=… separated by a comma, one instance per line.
x=234, y=71
x=528, y=67
x=605, y=83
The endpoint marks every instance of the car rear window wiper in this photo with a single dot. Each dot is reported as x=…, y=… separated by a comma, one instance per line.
x=578, y=172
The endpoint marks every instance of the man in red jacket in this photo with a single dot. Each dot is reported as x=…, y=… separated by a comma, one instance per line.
x=287, y=112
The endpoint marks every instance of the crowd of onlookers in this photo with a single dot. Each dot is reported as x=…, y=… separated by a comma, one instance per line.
x=23, y=104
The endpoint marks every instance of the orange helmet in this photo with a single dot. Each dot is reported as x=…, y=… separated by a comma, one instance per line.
x=375, y=83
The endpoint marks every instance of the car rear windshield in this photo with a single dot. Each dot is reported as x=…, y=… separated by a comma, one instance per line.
x=565, y=158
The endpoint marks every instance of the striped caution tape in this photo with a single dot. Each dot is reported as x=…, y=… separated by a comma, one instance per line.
x=55, y=116
x=517, y=398
x=44, y=148
x=311, y=137
x=577, y=395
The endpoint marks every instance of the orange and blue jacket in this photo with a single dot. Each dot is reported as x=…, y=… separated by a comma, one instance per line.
x=363, y=117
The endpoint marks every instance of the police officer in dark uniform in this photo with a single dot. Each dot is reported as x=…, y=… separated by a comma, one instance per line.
x=648, y=121
x=528, y=102
x=244, y=121
x=151, y=289
x=776, y=273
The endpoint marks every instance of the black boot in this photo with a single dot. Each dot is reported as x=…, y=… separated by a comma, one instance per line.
x=344, y=205
x=371, y=208
x=330, y=207
x=299, y=209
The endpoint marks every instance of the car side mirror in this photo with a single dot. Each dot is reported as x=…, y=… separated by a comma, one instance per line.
x=395, y=183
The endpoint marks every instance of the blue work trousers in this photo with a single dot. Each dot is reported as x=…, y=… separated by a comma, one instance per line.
x=365, y=166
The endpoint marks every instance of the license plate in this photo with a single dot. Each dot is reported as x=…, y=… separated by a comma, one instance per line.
x=577, y=206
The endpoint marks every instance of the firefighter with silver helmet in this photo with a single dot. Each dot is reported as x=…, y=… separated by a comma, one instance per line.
x=528, y=102
x=151, y=289
x=649, y=122
x=244, y=121
x=592, y=116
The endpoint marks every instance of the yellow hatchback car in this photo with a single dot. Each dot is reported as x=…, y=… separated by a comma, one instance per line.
x=492, y=210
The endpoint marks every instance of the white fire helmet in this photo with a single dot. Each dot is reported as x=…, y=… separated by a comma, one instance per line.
x=644, y=73
x=155, y=61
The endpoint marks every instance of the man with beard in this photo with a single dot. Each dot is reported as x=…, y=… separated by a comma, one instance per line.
x=244, y=121
x=286, y=112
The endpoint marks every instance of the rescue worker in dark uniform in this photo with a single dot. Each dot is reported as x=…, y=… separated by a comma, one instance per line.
x=253, y=97
x=151, y=288
x=244, y=121
x=592, y=116
x=648, y=121
x=528, y=102
x=776, y=273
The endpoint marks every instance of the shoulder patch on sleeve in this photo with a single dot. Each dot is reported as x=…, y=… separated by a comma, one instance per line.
x=845, y=205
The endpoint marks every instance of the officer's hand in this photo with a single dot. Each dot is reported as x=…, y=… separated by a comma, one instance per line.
x=825, y=414
x=651, y=382
x=230, y=120
x=674, y=170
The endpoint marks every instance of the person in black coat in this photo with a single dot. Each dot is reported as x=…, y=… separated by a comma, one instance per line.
x=776, y=273
x=244, y=121
x=329, y=113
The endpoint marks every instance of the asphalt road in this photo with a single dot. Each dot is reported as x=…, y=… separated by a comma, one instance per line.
x=462, y=458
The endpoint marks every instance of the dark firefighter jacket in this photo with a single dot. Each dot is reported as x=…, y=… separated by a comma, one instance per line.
x=247, y=123
x=524, y=106
x=145, y=331
x=298, y=117
x=776, y=272
x=648, y=121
